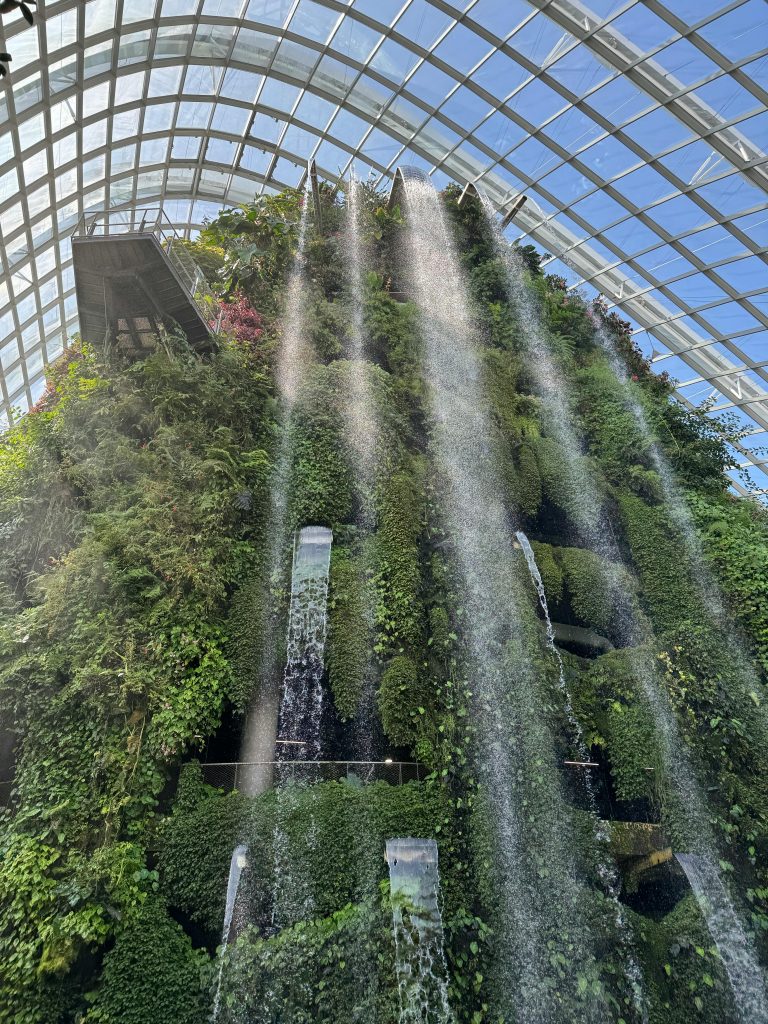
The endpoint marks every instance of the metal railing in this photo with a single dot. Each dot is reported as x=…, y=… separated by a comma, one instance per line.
x=226, y=774
x=154, y=221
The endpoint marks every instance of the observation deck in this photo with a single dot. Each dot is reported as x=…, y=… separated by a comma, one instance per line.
x=132, y=273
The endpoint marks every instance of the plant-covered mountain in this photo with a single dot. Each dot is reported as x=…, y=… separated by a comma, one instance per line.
x=147, y=510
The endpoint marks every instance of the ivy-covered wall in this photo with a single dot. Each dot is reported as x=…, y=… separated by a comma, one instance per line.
x=135, y=594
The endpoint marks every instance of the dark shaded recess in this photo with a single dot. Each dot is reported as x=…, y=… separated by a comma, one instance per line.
x=550, y=526
x=199, y=935
x=340, y=740
x=640, y=809
x=585, y=643
x=7, y=763
x=225, y=743
x=658, y=891
x=570, y=634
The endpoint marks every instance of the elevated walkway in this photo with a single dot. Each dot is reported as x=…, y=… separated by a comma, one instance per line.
x=228, y=775
x=132, y=272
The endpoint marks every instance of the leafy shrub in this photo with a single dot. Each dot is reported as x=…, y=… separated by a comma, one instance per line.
x=151, y=974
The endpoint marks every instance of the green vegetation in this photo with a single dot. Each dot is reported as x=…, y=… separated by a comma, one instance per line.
x=135, y=600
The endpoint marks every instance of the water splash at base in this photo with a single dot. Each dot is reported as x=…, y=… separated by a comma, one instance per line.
x=418, y=932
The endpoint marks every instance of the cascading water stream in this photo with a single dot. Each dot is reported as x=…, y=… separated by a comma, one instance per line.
x=302, y=697
x=512, y=735
x=595, y=531
x=746, y=978
x=363, y=437
x=708, y=590
x=606, y=867
x=238, y=863
x=417, y=928
x=533, y=569
x=293, y=357
x=360, y=410
x=301, y=708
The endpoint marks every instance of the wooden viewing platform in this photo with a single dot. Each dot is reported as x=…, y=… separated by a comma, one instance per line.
x=132, y=272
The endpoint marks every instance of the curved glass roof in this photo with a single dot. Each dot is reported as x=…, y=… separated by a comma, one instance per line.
x=636, y=130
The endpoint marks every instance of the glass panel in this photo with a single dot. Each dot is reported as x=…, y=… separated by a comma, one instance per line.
x=642, y=28
x=500, y=16
x=298, y=142
x=98, y=59
x=185, y=147
x=159, y=117
x=26, y=49
x=221, y=151
x=313, y=110
x=739, y=33
x=255, y=160
x=130, y=88
x=538, y=38
x=213, y=40
x=430, y=85
x=254, y=49
x=164, y=81
x=355, y=40
x=266, y=129
x=9, y=186
x=462, y=49
x=579, y=70
x=100, y=15
x=138, y=10
x=40, y=199
x=314, y=21
x=194, y=115
x=172, y=41
x=31, y=132
x=230, y=119
x=393, y=60
x=240, y=85
x=154, y=151
x=269, y=12
x=123, y=159
x=61, y=30
x=94, y=136
x=96, y=100
x=423, y=24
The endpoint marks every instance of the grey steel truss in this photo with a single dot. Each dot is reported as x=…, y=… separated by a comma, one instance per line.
x=636, y=130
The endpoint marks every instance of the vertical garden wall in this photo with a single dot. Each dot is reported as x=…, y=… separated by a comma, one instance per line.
x=140, y=590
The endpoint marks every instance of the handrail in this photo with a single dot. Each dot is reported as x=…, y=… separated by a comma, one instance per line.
x=227, y=774
x=153, y=220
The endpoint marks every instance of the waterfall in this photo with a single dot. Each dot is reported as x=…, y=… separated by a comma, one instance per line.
x=606, y=867
x=735, y=949
x=595, y=531
x=364, y=440
x=301, y=708
x=261, y=724
x=418, y=932
x=238, y=863
x=302, y=698
x=360, y=408
x=294, y=354
x=515, y=759
x=708, y=590
x=533, y=569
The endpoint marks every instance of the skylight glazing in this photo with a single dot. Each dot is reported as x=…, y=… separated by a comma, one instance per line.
x=637, y=130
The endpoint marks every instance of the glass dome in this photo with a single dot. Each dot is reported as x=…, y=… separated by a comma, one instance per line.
x=637, y=132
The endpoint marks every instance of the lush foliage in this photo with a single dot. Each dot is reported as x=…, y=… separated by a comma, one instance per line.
x=143, y=590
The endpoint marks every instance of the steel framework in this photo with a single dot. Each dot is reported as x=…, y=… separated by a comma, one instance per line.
x=635, y=129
